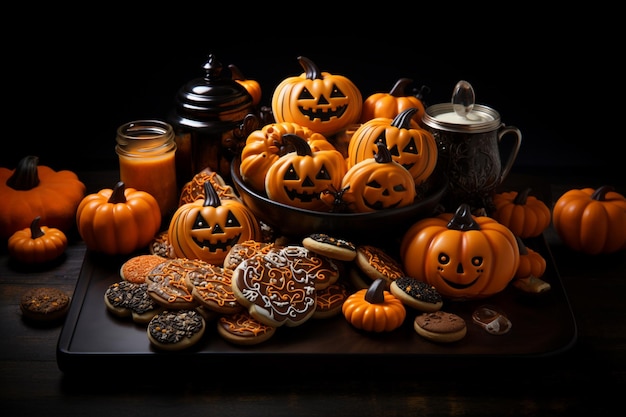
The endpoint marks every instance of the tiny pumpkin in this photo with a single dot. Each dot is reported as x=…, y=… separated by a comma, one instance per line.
x=118, y=220
x=37, y=244
x=410, y=145
x=324, y=102
x=374, y=309
x=207, y=229
x=531, y=262
x=390, y=104
x=592, y=221
x=32, y=190
x=461, y=255
x=253, y=87
x=524, y=214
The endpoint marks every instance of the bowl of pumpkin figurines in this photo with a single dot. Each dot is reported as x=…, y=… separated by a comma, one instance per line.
x=299, y=182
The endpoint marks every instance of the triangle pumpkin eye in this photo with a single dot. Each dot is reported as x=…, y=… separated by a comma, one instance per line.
x=291, y=173
x=323, y=174
x=336, y=92
x=410, y=147
x=374, y=184
x=305, y=94
x=200, y=222
x=231, y=220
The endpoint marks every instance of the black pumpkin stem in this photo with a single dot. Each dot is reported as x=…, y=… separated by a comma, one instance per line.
x=521, y=198
x=118, y=196
x=311, y=70
x=25, y=177
x=375, y=294
x=403, y=119
x=235, y=73
x=35, y=230
x=463, y=219
x=211, y=198
x=600, y=193
x=523, y=250
x=399, y=89
x=383, y=156
x=300, y=145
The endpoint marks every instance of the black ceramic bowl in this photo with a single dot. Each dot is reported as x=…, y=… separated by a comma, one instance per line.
x=297, y=222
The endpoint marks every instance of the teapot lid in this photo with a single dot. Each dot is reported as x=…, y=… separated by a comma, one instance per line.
x=213, y=103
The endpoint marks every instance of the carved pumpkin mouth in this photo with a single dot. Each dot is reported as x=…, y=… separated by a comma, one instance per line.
x=378, y=205
x=458, y=286
x=324, y=114
x=223, y=245
x=302, y=196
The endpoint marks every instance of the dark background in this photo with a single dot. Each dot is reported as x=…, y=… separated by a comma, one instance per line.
x=69, y=84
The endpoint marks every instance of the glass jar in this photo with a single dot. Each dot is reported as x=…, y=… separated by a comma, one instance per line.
x=146, y=151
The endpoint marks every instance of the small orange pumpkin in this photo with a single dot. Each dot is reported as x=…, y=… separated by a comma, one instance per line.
x=325, y=103
x=411, y=146
x=37, y=244
x=252, y=86
x=118, y=221
x=531, y=262
x=300, y=177
x=207, y=229
x=264, y=146
x=461, y=255
x=525, y=215
x=390, y=104
x=592, y=221
x=32, y=190
x=374, y=309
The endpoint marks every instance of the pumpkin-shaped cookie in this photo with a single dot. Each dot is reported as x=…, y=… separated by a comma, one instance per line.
x=374, y=309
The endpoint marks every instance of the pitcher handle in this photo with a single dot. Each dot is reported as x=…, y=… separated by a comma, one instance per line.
x=517, y=135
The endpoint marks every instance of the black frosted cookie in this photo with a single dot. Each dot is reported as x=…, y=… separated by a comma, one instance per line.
x=416, y=294
x=329, y=246
x=128, y=299
x=176, y=329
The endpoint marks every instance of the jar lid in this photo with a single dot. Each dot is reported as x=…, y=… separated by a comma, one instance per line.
x=443, y=117
x=212, y=103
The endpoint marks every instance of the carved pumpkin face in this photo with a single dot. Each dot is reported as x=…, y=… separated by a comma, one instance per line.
x=207, y=229
x=462, y=256
x=324, y=102
x=298, y=178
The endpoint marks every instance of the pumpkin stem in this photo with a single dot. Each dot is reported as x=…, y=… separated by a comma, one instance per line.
x=399, y=89
x=421, y=93
x=383, y=156
x=26, y=176
x=521, y=198
x=600, y=193
x=403, y=119
x=311, y=70
x=463, y=219
x=523, y=250
x=375, y=294
x=35, y=230
x=236, y=73
x=211, y=198
x=118, y=196
x=300, y=145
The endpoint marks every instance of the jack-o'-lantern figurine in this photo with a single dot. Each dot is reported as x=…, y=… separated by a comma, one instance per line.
x=208, y=228
x=462, y=256
x=298, y=178
x=325, y=103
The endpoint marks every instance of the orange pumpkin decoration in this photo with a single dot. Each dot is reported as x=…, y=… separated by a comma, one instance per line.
x=264, y=146
x=300, y=177
x=461, y=255
x=207, y=229
x=252, y=86
x=33, y=190
x=411, y=146
x=374, y=309
x=531, y=262
x=374, y=184
x=325, y=103
x=525, y=215
x=194, y=189
x=389, y=105
x=37, y=244
x=591, y=221
x=118, y=221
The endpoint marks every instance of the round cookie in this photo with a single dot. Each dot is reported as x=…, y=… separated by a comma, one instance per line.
x=44, y=304
x=213, y=289
x=243, y=329
x=375, y=263
x=160, y=245
x=176, y=329
x=329, y=246
x=244, y=250
x=440, y=326
x=306, y=265
x=137, y=268
x=167, y=283
x=416, y=294
x=129, y=299
x=329, y=301
x=266, y=285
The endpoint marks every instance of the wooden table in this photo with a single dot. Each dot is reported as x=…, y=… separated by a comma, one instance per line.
x=586, y=379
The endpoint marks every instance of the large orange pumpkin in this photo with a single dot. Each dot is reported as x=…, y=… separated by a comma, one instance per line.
x=207, y=229
x=325, y=103
x=411, y=146
x=461, y=255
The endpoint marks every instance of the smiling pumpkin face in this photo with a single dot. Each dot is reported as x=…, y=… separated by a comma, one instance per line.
x=462, y=256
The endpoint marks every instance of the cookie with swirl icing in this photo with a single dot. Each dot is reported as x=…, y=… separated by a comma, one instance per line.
x=244, y=250
x=213, y=289
x=375, y=263
x=308, y=265
x=243, y=329
x=167, y=283
x=272, y=293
